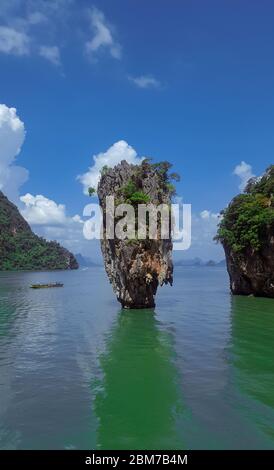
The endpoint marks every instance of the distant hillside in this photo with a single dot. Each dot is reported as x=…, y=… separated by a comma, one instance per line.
x=84, y=261
x=21, y=249
x=188, y=262
x=199, y=262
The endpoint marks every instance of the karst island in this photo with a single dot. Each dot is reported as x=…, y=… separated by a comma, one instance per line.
x=136, y=267
x=247, y=234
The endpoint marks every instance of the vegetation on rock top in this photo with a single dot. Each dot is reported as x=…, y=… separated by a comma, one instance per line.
x=133, y=191
x=249, y=217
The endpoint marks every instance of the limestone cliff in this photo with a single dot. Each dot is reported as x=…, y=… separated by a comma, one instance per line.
x=21, y=249
x=136, y=267
x=247, y=234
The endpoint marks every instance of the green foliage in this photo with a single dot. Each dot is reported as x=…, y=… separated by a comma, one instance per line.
x=264, y=185
x=104, y=170
x=249, y=216
x=91, y=191
x=129, y=189
x=171, y=188
x=133, y=195
x=139, y=197
x=146, y=160
x=175, y=176
x=162, y=169
x=21, y=249
x=132, y=192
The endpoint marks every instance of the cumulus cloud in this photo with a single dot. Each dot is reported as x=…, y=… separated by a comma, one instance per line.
x=145, y=81
x=244, y=172
x=12, y=136
x=208, y=215
x=103, y=38
x=47, y=218
x=51, y=221
x=14, y=42
x=51, y=53
x=119, y=151
x=39, y=210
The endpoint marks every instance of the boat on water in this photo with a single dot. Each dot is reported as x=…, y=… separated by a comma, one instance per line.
x=45, y=286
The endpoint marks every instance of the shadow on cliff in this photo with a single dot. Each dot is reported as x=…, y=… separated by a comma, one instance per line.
x=137, y=401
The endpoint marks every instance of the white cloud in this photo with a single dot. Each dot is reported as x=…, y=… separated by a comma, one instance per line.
x=51, y=221
x=13, y=8
x=50, y=7
x=204, y=228
x=244, y=172
x=36, y=17
x=23, y=21
x=39, y=210
x=145, y=81
x=47, y=218
x=103, y=36
x=14, y=42
x=119, y=151
x=12, y=136
x=51, y=53
x=208, y=215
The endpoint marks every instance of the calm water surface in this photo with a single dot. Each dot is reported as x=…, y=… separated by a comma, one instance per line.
x=77, y=372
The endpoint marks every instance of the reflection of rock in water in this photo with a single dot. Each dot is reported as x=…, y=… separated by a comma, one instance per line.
x=252, y=358
x=137, y=403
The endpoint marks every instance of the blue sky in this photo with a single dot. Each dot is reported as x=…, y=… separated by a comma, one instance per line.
x=186, y=81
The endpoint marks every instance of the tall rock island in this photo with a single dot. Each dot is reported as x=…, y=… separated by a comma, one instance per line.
x=21, y=249
x=247, y=234
x=136, y=267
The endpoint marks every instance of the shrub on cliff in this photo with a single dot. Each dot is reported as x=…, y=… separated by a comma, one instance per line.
x=249, y=216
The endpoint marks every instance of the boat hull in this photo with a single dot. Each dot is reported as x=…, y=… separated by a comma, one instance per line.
x=45, y=286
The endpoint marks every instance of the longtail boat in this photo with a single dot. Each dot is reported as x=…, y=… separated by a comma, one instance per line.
x=45, y=286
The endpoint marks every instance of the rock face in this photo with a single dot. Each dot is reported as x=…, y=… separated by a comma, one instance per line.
x=247, y=234
x=21, y=249
x=252, y=273
x=136, y=267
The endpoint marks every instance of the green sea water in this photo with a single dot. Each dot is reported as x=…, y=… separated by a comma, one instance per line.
x=77, y=372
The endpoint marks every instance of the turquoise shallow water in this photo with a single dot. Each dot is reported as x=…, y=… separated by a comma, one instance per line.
x=76, y=371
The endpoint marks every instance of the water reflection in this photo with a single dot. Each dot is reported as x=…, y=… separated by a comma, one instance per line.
x=137, y=403
x=253, y=364
x=198, y=373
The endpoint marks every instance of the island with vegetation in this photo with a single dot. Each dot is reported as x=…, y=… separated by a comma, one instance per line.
x=21, y=249
x=246, y=232
x=136, y=267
